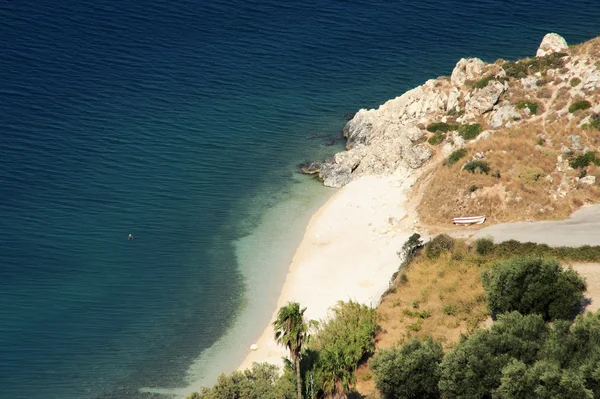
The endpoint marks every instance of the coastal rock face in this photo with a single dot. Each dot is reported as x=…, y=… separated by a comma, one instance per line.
x=551, y=43
x=432, y=120
x=384, y=140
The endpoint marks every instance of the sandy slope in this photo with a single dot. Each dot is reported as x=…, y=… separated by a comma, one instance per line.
x=348, y=252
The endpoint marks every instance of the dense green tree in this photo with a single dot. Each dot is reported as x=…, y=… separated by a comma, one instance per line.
x=262, y=381
x=543, y=380
x=291, y=331
x=474, y=368
x=576, y=347
x=340, y=343
x=409, y=372
x=533, y=285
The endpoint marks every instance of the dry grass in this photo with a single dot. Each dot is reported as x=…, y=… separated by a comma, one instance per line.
x=434, y=288
x=525, y=190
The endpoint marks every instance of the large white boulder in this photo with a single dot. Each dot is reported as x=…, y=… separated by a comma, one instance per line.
x=551, y=43
x=466, y=69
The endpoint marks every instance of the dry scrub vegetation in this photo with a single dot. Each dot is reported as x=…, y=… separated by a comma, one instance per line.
x=530, y=176
x=440, y=298
x=525, y=181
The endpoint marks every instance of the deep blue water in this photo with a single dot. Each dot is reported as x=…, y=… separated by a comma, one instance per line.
x=161, y=119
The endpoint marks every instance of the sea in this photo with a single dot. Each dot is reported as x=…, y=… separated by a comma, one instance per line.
x=183, y=123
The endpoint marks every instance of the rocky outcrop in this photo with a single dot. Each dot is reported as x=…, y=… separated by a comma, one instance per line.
x=503, y=115
x=483, y=100
x=551, y=43
x=394, y=137
x=466, y=69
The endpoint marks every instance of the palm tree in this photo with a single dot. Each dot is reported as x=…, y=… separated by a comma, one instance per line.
x=291, y=331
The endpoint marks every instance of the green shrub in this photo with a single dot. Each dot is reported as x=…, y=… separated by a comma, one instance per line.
x=532, y=106
x=477, y=166
x=533, y=285
x=260, y=381
x=595, y=123
x=442, y=127
x=450, y=310
x=455, y=156
x=441, y=243
x=484, y=246
x=437, y=138
x=481, y=83
x=579, y=105
x=523, y=68
x=584, y=160
x=469, y=132
x=455, y=112
x=473, y=369
x=574, y=82
x=409, y=372
x=339, y=344
x=532, y=175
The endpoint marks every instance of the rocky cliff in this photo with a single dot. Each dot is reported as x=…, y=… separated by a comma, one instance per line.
x=477, y=101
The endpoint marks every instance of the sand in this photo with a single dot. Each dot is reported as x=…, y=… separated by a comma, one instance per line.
x=591, y=272
x=348, y=252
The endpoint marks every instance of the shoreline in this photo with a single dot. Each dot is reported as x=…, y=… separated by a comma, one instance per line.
x=359, y=228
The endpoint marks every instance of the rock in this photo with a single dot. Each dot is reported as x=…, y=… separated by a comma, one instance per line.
x=453, y=100
x=479, y=155
x=565, y=150
x=466, y=69
x=458, y=140
x=551, y=43
x=310, y=168
x=413, y=133
x=335, y=175
x=503, y=114
x=592, y=81
x=529, y=83
x=484, y=135
x=588, y=180
x=483, y=100
x=575, y=142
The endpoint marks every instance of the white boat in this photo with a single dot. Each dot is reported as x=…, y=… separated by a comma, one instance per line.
x=469, y=220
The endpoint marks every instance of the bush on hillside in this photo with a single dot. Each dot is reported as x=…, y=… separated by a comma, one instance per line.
x=531, y=106
x=523, y=68
x=595, y=123
x=476, y=166
x=575, y=82
x=412, y=371
x=484, y=246
x=437, y=138
x=579, y=105
x=582, y=161
x=469, y=132
x=456, y=156
x=531, y=285
x=481, y=83
x=441, y=243
x=442, y=127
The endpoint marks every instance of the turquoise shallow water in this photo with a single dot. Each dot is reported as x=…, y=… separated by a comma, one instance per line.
x=182, y=123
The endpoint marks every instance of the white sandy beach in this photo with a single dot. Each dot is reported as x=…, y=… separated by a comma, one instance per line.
x=348, y=252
